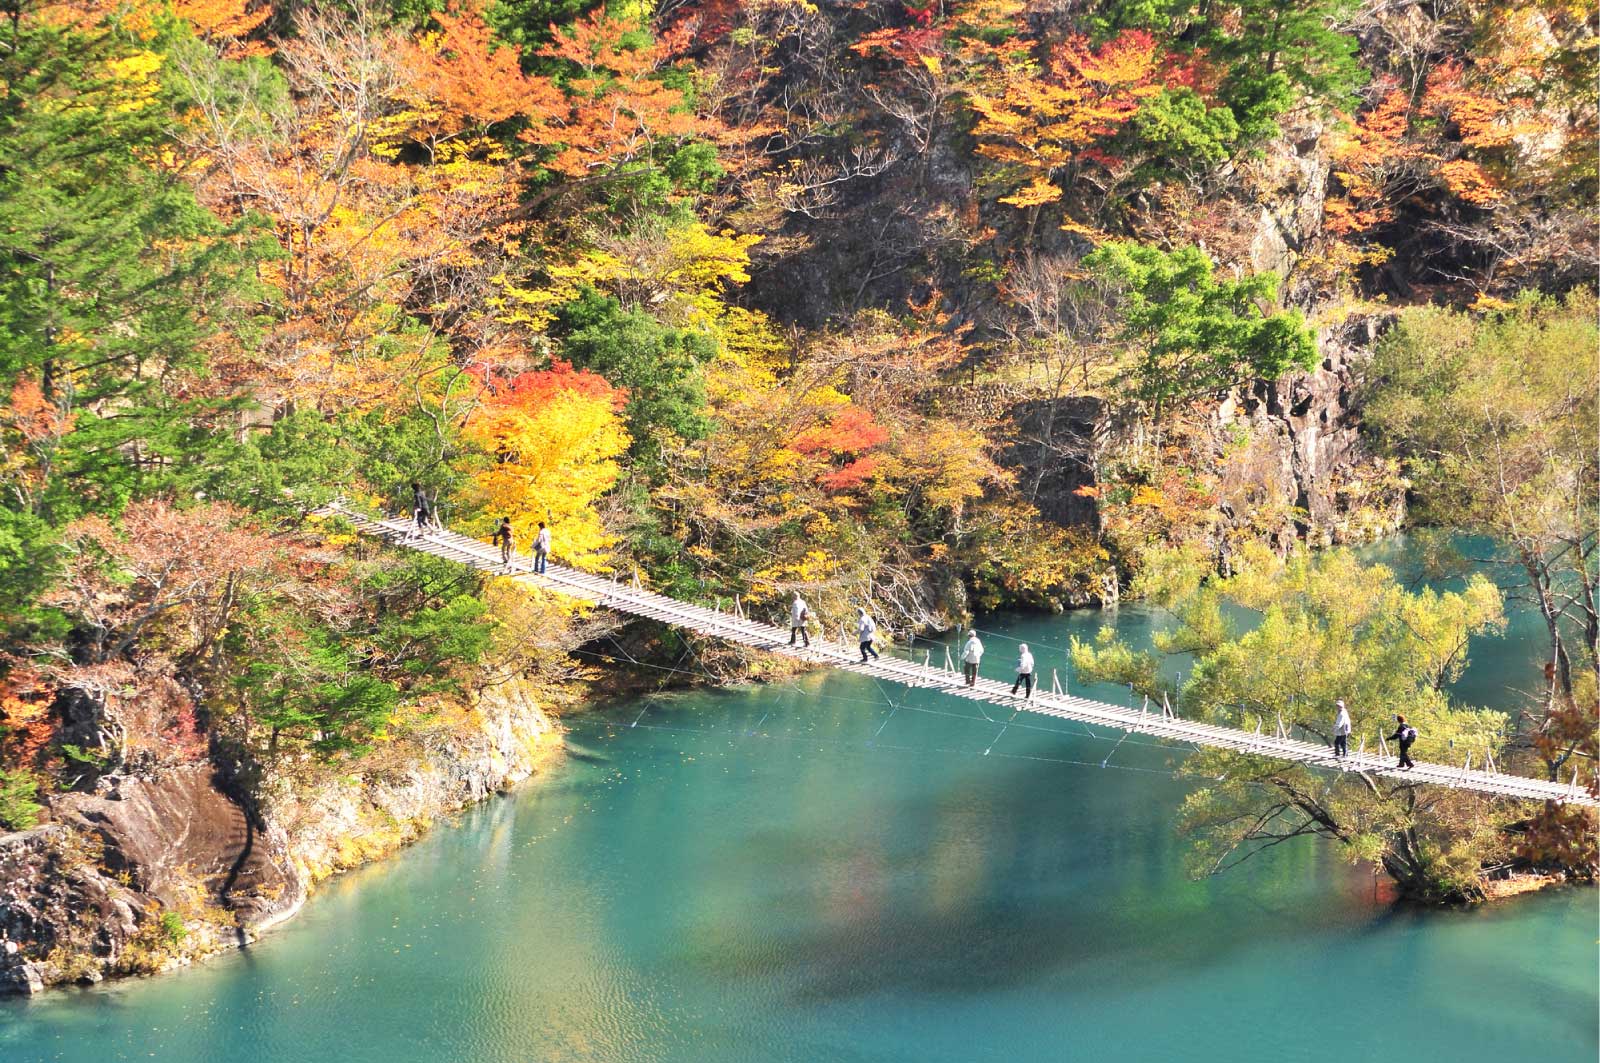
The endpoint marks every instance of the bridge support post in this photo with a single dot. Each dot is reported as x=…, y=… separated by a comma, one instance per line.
x=1055, y=682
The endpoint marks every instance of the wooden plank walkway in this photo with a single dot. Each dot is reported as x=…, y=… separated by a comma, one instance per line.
x=1157, y=722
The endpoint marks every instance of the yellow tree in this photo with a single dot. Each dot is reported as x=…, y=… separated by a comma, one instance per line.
x=553, y=437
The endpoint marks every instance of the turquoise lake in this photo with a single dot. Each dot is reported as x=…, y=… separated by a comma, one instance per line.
x=834, y=869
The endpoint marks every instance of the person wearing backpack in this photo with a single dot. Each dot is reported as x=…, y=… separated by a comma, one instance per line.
x=506, y=539
x=799, y=613
x=1341, y=730
x=1405, y=734
x=1024, y=672
x=866, y=627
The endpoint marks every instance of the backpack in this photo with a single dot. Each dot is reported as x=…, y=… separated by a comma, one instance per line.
x=1408, y=734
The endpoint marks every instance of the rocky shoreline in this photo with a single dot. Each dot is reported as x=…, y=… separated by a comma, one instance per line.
x=150, y=873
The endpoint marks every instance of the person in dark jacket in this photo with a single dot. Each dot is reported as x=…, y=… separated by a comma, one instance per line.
x=421, y=508
x=1405, y=734
x=504, y=536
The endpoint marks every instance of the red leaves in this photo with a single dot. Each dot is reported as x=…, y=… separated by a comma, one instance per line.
x=852, y=430
x=850, y=433
x=25, y=727
x=850, y=476
x=534, y=389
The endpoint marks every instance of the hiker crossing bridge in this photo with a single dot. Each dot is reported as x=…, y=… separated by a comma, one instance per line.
x=1159, y=721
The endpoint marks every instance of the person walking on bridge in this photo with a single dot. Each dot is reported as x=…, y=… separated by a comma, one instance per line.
x=1024, y=672
x=421, y=509
x=1405, y=734
x=799, y=613
x=971, y=656
x=506, y=539
x=866, y=627
x=541, y=549
x=1341, y=730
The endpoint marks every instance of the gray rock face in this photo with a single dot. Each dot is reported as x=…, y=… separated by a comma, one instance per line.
x=1053, y=450
x=84, y=896
x=1288, y=457
x=20, y=979
x=166, y=833
x=55, y=901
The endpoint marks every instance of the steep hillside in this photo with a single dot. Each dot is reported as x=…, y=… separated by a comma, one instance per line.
x=927, y=308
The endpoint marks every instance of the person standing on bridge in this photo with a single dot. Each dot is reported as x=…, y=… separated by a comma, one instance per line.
x=505, y=538
x=1024, y=672
x=541, y=548
x=1341, y=731
x=971, y=656
x=866, y=627
x=1405, y=734
x=799, y=613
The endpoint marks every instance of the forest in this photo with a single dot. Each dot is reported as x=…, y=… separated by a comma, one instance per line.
x=946, y=307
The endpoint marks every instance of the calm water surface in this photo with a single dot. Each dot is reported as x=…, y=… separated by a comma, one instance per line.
x=832, y=869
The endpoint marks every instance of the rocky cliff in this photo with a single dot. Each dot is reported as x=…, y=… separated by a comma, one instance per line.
x=148, y=873
x=1279, y=461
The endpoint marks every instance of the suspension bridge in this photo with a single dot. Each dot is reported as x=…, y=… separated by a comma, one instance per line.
x=732, y=624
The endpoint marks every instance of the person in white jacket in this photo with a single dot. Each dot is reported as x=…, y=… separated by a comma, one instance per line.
x=1341, y=731
x=799, y=613
x=866, y=627
x=1024, y=671
x=971, y=655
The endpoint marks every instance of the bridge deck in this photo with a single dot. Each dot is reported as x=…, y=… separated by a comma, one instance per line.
x=732, y=627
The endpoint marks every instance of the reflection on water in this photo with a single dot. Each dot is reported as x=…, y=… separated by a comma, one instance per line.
x=832, y=869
